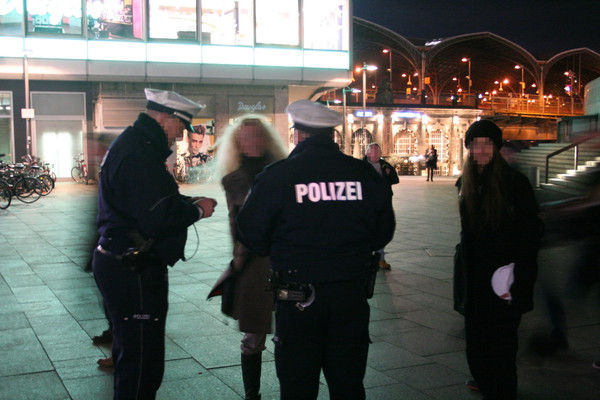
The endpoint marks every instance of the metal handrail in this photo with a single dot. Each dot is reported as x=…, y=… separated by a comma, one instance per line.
x=575, y=144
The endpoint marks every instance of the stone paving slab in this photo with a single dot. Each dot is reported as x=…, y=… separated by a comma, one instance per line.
x=50, y=308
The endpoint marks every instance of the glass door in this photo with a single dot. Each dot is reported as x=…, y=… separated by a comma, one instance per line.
x=58, y=142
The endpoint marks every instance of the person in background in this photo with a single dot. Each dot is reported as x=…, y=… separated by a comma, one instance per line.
x=319, y=215
x=247, y=146
x=390, y=177
x=142, y=222
x=431, y=159
x=500, y=238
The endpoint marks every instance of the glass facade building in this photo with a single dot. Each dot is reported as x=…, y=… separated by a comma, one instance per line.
x=232, y=55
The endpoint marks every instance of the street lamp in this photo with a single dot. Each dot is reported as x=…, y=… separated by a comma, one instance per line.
x=388, y=51
x=344, y=91
x=468, y=61
x=522, y=83
x=364, y=69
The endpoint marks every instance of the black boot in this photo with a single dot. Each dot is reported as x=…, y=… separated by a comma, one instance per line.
x=251, y=366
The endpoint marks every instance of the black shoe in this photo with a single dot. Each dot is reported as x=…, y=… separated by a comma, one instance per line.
x=471, y=384
x=596, y=364
x=105, y=338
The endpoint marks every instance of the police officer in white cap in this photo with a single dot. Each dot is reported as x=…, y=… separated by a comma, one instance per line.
x=320, y=215
x=142, y=222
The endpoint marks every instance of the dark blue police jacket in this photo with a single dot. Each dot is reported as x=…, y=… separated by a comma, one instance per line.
x=136, y=192
x=319, y=214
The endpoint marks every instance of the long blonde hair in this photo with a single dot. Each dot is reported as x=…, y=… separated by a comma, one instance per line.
x=483, y=210
x=229, y=157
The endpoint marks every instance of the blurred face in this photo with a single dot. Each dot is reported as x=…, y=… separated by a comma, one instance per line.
x=173, y=127
x=195, y=141
x=251, y=139
x=481, y=150
x=374, y=153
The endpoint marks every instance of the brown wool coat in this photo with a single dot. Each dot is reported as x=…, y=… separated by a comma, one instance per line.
x=253, y=304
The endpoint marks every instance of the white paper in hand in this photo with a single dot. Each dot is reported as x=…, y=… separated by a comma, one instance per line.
x=502, y=280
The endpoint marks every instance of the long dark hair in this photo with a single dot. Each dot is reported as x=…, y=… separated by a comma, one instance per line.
x=482, y=193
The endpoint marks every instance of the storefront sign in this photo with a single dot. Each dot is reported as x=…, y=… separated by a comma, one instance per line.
x=251, y=104
x=27, y=113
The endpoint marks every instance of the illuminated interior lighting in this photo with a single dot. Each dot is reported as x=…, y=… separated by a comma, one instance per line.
x=169, y=52
x=116, y=50
x=326, y=59
x=406, y=114
x=367, y=114
x=278, y=57
x=65, y=49
x=227, y=55
x=11, y=46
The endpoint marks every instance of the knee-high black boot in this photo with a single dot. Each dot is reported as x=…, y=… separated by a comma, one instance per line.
x=251, y=367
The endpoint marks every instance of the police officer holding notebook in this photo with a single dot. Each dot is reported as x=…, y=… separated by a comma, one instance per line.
x=142, y=222
x=319, y=214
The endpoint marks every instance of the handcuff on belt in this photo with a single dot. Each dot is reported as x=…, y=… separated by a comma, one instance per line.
x=304, y=295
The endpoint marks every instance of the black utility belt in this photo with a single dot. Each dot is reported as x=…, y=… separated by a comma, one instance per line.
x=109, y=253
x=293, y=291
x=134, y=259
x=303, y=294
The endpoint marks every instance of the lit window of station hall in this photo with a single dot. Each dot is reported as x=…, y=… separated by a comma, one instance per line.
x=73, y=73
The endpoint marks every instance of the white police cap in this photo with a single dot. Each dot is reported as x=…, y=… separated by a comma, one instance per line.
x=313, y=115
x=173, y=103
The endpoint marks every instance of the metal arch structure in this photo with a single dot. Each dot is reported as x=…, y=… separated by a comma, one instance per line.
x=585, y=64
x=493, y=58
x=369, y=39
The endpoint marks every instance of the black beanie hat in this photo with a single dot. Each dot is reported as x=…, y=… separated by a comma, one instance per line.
x=484, y=128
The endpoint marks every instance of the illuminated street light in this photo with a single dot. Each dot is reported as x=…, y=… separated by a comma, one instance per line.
x=468, y=61
x=344, y=91
x=364, y=69
x=522, y=83
x=388, y=51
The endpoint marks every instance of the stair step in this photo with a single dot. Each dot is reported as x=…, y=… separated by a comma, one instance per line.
x=561, y=189
x=569, y=183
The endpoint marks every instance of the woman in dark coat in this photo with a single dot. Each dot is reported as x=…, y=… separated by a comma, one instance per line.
x=494, y=278
x=431, y=159
x=247, y=146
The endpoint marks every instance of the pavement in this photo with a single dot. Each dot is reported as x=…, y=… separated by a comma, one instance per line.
x=50, y=308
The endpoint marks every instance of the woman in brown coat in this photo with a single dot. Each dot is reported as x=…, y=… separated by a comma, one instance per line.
x=246, y=147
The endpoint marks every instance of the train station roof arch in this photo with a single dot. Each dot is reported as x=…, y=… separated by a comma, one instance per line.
x=493, y=58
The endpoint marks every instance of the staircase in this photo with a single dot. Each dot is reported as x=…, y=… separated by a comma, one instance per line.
x=564, y=176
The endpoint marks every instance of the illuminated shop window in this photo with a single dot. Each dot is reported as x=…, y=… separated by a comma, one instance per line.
x=54, y=17
x=6, y=113
x=114, y=19
x=172, y=19
x=227, y=22
x=326, y=24
x=277, y=22
x=11, y=18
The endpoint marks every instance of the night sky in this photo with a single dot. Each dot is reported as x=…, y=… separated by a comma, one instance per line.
x=542, y=27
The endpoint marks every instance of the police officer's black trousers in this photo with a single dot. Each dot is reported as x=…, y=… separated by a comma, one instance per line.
x=331, y=334
x=492, y=345
x=137, y=304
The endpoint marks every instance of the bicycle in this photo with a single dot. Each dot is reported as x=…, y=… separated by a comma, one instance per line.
x=79, y=172
x=13, y=183
x=5, y=195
